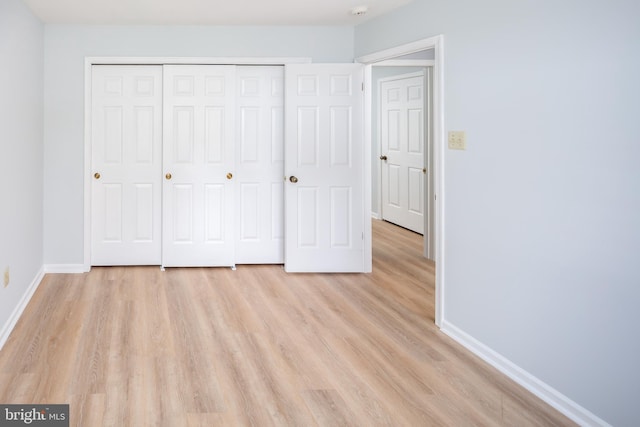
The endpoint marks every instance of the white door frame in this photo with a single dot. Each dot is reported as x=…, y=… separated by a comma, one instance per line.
x=437, y=44
x=90, y=61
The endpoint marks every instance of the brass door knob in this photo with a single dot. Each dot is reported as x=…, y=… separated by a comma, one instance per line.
x=96, y=175
x=383, y=158
x=293, y=179
x=168, y=176
x=229, y=175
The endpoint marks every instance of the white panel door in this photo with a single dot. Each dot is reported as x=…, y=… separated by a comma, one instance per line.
x=402, y=116
x=126, y=126
x=198, y=205
x=259, y=165
x=324, y=212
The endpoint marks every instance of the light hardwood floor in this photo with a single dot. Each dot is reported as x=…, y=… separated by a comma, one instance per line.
x=135, y=346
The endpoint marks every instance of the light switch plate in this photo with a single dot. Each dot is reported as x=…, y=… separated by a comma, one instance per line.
x=457, y=140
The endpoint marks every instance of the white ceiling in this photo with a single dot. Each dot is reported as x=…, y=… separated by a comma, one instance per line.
x=208, y=12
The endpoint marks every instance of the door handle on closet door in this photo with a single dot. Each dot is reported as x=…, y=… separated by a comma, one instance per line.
x=293, y=179
x=168, y=176
x=383, y=158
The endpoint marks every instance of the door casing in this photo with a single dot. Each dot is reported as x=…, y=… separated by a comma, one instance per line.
x=378, y=58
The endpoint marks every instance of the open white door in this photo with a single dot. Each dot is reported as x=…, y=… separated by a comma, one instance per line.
x=324, y=163
x=198, y=205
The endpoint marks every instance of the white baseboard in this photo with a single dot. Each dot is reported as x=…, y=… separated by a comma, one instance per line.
x=17, y=312
x=551, y=396
x=65, y=268
x=375, y=215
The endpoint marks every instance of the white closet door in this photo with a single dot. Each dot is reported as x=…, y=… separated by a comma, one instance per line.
x=402, y=116
x=126, y=125
x=259, y=165
x=324, y=212
x=198, y=205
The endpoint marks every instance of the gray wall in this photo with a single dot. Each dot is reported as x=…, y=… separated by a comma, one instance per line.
x=21, y=75
x=542, y=228
x=65, y=50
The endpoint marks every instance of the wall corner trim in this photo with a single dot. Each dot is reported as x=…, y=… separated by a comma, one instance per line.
x=7, y=328
x=548, y=394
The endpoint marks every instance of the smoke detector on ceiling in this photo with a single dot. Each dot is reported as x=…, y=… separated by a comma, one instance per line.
x=359, y=10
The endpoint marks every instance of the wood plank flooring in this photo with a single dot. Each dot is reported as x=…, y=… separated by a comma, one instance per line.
x=135, y=346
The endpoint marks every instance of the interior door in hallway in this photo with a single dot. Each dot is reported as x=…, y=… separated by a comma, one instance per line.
x=126, y=150
x=259, y=165
x=198, y=147
x=324, y=162
x=402, y=140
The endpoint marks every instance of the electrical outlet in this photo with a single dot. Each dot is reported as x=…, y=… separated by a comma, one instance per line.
x=7, y=277
x=457, y=140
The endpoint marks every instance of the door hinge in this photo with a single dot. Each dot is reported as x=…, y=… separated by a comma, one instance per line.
x=363, y=86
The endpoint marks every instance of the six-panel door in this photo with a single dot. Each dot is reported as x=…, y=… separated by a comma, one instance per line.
x=259, y=165
x=198, y=165
x=402, y=117
x=324, y=191
x=126, y=107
